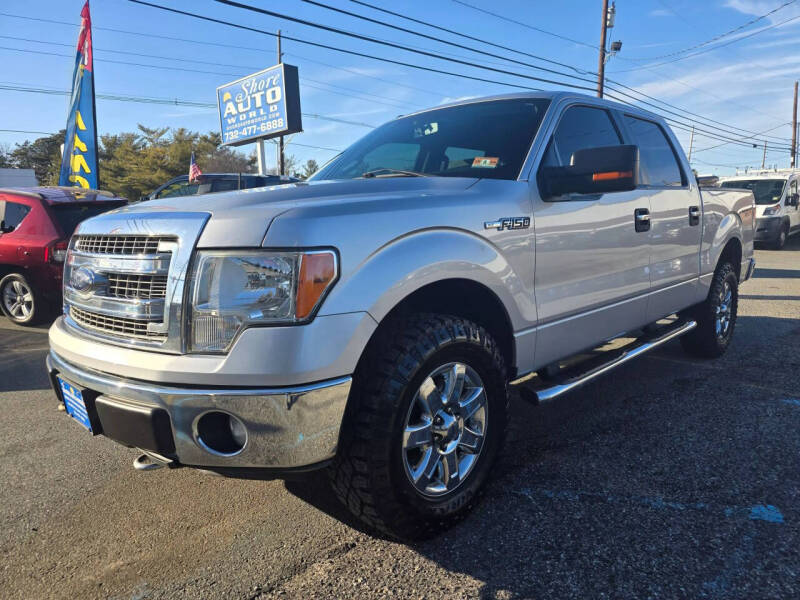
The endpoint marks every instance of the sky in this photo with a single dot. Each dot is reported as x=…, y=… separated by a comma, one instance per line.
x=742, y=83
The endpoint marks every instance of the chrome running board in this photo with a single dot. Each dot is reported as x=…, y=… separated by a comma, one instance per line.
x=620, y=357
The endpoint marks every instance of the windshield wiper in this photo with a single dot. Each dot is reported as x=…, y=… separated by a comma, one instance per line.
x=385, y=172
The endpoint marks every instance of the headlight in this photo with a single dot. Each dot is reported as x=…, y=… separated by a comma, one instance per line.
x=232, y=290
x=772, y=210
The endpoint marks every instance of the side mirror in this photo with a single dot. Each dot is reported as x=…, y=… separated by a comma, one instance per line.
x=793, y=199
x=4, y=229
x=593, y=171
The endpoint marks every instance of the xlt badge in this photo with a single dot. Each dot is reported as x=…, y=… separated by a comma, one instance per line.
x=508, y=223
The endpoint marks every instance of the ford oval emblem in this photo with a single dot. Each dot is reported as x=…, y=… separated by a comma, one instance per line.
x=81, y=279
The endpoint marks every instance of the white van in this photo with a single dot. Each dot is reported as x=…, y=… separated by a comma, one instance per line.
x=777, y=210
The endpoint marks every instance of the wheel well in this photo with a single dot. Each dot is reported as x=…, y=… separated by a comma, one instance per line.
x=6, y=269
x=461, y=298
x=733, y=253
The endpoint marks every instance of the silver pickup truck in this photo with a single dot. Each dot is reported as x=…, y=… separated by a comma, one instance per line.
x=369, y=321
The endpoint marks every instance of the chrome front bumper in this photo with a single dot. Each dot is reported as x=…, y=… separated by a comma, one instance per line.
x=287, y=428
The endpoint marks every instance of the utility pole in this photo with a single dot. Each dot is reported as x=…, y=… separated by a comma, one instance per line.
x=691, y=144
x=601, y=64
x=281, y=156
x=794, y=128
x=764, y=157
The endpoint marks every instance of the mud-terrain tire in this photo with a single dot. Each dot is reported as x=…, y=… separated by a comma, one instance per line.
x=392, y=473
x=716, y=316
x=19, y=301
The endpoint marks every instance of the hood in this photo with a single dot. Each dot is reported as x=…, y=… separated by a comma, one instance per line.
x=241, y=218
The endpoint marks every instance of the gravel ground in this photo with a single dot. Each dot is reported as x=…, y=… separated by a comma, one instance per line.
x=670, y=478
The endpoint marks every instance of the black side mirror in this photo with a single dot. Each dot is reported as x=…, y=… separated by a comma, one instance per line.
x=793, y=199
x=593, y=171
x=4, y=229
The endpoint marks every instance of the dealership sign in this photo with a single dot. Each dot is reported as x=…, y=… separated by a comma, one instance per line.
x=260, y=106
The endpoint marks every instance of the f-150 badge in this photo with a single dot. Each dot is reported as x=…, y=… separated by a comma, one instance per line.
x=508, y=223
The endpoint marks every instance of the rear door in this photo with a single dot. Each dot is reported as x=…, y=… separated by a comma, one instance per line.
x=591, y=273
x=15, y=246
x=675, y=218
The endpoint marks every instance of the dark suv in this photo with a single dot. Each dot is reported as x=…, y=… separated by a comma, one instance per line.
x=35, y=226
x=215, y=182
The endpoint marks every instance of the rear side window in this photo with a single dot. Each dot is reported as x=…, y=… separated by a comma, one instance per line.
x=68, y=216
x=225, y=185
x=12, y=214
x=580, y=127
x=659, y=167
x=179, y=188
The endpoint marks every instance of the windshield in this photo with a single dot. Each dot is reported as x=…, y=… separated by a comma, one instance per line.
x=68, y=216
x=766, y=191
x=485, y=139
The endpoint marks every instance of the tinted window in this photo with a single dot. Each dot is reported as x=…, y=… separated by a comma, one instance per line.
x=68, y=216
x=179, y=188
x=657, y=159
x=390, y=156
x=225, y=185
x=13, y=215
x=499, y=131
x=580, y=127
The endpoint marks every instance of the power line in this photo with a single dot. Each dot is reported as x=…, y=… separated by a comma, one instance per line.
x=387, y=43
x=726, y=127
x=287, y=143
x=26, y=131
x=717, y=47
x=526, y=25
x=726, y=143
x=715, y=38
x=412, y=65
x=217, y=44
x=164, y=101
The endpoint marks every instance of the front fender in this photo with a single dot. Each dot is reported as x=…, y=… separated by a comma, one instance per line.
x=406, y=264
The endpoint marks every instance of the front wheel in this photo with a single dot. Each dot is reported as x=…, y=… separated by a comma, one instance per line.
x=425, y=424
x=780, y=241
x=716, y=317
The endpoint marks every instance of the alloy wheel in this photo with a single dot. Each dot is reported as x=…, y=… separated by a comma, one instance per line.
x=724, y=310
x=445, y=429
x=18, y=300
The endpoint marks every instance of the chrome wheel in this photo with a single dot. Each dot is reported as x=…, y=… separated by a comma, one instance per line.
x=445, y=429
x=18, y=300
x=724, y=310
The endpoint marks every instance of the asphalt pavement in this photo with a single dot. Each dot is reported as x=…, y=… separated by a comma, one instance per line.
x=670, y=478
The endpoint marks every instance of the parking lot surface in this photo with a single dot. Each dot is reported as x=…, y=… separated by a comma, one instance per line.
x=670, y=478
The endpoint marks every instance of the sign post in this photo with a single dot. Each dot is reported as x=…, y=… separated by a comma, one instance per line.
x=259, y=107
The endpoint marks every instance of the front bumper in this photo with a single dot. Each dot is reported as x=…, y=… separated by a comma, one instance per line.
x=287, y=428
x=767, y=229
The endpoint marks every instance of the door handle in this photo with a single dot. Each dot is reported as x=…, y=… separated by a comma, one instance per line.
x=641, y=218
x=694, y=215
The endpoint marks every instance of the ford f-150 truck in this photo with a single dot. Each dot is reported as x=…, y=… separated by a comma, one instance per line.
x=369, y=321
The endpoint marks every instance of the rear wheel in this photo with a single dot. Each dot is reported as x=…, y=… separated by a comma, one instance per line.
x=19, y=301
x=716, y=317
x=423, y=428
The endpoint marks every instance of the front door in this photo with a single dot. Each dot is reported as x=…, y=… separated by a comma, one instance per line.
x=675, y=218
x=591, y=273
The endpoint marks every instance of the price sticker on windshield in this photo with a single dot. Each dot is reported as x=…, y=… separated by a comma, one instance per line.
x=485, y=162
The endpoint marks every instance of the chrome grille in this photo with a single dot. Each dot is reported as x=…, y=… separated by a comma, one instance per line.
x=125, y=285
x=120, y=244
x=119, y=326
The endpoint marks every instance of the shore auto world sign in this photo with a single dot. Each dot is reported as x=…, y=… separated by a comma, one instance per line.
x=260, y=106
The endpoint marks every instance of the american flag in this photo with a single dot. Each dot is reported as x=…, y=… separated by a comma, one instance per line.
x=194, y=170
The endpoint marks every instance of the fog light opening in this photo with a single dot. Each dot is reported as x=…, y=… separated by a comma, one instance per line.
x=220, y=433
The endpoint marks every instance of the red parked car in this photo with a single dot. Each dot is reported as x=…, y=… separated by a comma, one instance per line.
x=35, y=226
